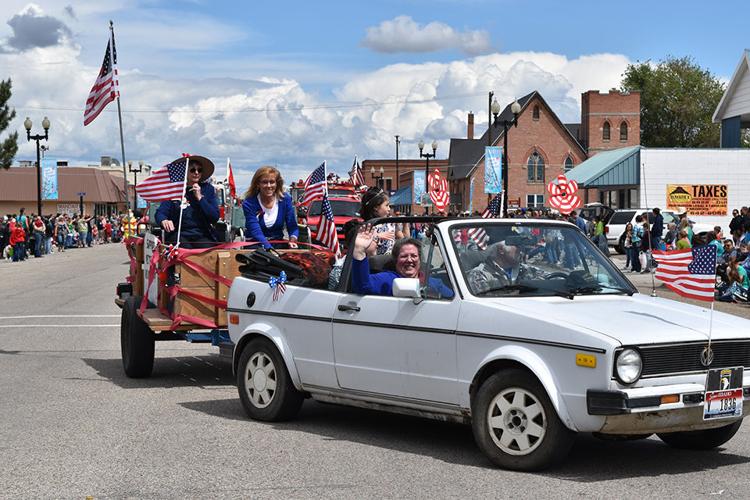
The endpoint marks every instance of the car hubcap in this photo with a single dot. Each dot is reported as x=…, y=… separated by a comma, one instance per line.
x=516, y=420
x=260, y=380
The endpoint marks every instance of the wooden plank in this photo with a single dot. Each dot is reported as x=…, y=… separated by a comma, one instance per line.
x=159, y=322
x=225, y=262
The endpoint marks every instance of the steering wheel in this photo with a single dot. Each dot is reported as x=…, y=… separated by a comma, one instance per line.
x=557, y=274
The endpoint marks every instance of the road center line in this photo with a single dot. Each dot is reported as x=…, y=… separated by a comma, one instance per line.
x=58, y=326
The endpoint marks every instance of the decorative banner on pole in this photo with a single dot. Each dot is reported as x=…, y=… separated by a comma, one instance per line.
x=471, y=196
x=493, y=170
x=49, y=179
x=439, y=191
x=563, y=195
x=419, y=188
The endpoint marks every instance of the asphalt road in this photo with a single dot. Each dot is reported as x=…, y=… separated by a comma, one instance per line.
x=72, y=425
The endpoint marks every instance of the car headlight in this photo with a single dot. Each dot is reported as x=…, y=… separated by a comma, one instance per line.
x=628, y=366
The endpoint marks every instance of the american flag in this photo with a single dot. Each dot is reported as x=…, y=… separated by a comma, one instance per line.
x=688, y=272
x=327, y=228
x=166, y=183
x=439, y=191
x=105, y=89
x=315, y=185
x=356, y=177
x=478, y=234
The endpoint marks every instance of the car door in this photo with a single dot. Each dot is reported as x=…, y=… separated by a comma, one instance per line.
x=393, y=346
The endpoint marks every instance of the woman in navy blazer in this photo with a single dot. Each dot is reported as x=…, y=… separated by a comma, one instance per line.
x=268, y=209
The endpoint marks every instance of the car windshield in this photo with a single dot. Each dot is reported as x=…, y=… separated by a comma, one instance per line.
x=499, y=259
x=341, y=208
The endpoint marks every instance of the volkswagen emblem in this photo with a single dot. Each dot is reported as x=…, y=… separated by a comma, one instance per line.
x=707, y=356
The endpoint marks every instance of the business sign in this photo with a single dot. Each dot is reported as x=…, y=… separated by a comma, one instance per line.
x=49, y=179
x=698, y=199
x=419, y=189
x=68, y=208
x=493, y=170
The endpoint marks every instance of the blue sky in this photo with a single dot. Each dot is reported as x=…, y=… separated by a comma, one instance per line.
x=197, y=75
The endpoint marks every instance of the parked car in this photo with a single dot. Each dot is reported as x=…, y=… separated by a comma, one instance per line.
x=620, y=219
x=532, y=343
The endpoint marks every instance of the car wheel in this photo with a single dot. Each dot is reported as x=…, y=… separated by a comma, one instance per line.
x=137, y=341
x=264, y=384
x=620, y=247
x=515, y=424
x=701, y=440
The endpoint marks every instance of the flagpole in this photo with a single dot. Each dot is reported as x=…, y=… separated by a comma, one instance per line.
x=650, y=228
x=119, y=114
x=183, y=199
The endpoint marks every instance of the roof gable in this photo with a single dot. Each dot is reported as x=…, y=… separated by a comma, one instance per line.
x=740, y=79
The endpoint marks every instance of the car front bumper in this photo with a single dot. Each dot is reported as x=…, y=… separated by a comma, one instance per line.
x=643, y=410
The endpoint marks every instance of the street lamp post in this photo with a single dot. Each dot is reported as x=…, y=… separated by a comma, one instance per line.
x=37, y=137
x=397, y=176
x=378, y=178
x=515, y=108
x=135, y=171
x=427, y=157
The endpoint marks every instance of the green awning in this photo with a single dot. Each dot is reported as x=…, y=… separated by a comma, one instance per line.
x=609, y=169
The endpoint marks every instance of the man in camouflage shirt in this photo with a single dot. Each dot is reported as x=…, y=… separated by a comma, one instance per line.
x=499, y=269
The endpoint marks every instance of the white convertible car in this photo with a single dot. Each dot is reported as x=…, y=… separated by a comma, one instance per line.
x=532, y=336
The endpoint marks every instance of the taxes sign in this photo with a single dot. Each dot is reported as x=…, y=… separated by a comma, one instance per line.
x=698, y=199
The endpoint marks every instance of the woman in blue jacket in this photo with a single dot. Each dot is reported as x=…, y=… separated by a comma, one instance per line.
x=268, y=210
x=201, y=213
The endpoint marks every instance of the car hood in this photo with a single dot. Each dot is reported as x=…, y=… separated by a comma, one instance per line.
x=635, y=320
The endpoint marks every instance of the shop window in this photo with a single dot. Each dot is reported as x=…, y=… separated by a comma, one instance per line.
x=535, y=114
x=535, y=200
x=606, y=131
x=623, y=131
x=535, y=168
x=568, y=164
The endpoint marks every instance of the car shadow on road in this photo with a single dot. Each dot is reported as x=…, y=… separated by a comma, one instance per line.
x=590, y=461
x=177, y=371
x=593, y=460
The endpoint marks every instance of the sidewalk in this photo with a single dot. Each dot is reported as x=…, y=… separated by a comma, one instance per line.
x=647, y=285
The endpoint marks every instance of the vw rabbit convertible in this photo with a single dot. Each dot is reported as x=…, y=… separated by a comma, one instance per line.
x=537, y=338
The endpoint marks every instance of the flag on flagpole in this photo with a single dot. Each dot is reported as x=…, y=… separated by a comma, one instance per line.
x=165, y=183
x=327, y=228
x=315, y=186
x=478, y=234
x=105, y=89
x=690, y=272
x=356, y=177
x=230, y=181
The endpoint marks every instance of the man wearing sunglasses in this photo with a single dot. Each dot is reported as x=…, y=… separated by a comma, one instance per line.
x=201, y=212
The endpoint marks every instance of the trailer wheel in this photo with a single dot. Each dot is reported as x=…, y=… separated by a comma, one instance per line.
x=136, y=341
x=264, y=384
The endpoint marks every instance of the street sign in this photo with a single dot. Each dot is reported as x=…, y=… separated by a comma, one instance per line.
x=82, y=194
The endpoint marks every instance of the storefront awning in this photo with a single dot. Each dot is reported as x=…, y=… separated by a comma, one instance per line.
x=609, y=169
x=402, y=196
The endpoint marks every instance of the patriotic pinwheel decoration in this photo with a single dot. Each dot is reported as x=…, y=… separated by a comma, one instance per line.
x=278, y=285
x=563, y=195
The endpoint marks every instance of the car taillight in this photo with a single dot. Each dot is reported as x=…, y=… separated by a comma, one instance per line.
x=606, y=229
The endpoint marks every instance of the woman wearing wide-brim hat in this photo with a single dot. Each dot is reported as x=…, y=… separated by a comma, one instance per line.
x=202, y=210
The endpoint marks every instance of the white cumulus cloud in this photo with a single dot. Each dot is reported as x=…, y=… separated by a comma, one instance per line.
x=403, y=34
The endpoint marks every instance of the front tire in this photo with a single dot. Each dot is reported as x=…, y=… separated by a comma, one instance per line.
x=137, y=341
x=264, y=384
x=701, y=440
x=515, y=424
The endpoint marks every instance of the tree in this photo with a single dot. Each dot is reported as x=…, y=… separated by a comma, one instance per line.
x=678, y=99
x=9, y=146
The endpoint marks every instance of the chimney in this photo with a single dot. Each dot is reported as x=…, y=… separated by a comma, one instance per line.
x=470, y=127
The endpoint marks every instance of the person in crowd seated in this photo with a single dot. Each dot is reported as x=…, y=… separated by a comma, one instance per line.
x=684, y=241
x=737, y=284
x=268, y=210
x=201, y=212
x=406, y=262
x=375, y=203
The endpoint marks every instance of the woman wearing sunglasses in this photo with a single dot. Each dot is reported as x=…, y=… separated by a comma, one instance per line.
x=269, y=210
x=201, y=213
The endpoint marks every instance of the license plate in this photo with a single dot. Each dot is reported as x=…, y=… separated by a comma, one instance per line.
x=723, y=397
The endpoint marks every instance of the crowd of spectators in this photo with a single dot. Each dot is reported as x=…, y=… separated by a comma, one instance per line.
x=23, y=236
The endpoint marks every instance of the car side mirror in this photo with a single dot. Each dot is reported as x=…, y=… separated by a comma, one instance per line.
x=406, y=287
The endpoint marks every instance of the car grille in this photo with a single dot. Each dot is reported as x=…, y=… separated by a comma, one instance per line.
x=681, y=358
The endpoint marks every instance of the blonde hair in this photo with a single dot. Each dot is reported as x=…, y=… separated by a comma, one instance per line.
x=254, y=188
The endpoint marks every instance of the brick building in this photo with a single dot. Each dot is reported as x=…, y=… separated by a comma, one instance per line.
x=402, y=192
x=541, y=147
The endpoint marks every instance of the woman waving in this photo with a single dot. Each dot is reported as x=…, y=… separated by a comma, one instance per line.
x=268, y=210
